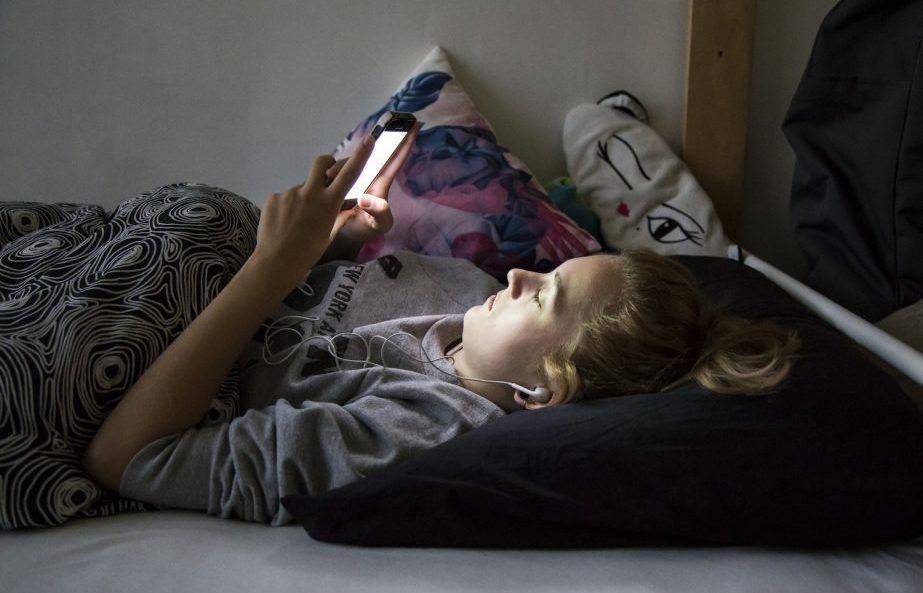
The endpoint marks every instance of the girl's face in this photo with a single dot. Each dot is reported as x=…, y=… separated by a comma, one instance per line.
x=507, y=336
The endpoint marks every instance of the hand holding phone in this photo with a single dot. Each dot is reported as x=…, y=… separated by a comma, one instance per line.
x=389, y=131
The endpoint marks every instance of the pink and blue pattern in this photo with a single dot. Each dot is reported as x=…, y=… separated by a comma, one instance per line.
x=462, y=194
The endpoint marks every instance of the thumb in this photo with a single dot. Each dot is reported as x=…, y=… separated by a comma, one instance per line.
x=376, y=213
x=372, y=204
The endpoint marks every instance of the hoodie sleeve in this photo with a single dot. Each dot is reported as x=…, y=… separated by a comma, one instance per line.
x=243, y=468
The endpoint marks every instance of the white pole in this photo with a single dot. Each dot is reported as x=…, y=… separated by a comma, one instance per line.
x=896, y=353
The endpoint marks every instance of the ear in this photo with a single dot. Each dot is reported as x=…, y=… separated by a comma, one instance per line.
x=547, y=393
x=517, y=398
x=535, y=395
x=528, y=402
x=541, y=395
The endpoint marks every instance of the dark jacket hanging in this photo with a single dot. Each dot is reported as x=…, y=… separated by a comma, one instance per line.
x=856, y=126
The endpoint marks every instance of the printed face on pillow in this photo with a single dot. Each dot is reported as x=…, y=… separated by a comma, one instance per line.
x=669, y=224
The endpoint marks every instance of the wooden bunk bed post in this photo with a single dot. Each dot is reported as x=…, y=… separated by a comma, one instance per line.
x=716, y=102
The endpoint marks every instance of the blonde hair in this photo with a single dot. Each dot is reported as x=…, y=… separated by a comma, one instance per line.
x=655, y=333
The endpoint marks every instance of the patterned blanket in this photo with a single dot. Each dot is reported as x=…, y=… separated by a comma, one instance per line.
x=88, y=300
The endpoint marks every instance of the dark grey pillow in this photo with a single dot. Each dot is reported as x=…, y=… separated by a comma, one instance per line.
x=834, y=457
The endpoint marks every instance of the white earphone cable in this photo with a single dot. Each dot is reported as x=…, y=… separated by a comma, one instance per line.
x=366, y=362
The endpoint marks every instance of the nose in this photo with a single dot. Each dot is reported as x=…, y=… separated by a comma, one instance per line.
x=519, y=280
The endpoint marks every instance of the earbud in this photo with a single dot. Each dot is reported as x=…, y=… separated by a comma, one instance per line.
x=539, y=394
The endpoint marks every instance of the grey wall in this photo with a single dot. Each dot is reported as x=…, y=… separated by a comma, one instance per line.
x=785, y=31
x=102, y=99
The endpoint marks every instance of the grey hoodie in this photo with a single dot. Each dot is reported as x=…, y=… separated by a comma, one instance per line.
x=309, y=427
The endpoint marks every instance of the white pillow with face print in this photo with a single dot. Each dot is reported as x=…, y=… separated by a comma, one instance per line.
x=642, y=193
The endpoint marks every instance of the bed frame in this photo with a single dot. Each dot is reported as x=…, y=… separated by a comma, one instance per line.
x=718, y=66
x=284, y=559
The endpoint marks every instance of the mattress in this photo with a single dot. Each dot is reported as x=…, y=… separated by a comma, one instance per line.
x=192, y=552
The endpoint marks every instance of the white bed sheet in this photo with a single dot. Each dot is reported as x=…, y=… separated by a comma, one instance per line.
x=193, y=552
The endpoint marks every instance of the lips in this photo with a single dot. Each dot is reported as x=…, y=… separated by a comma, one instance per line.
x=490, y=301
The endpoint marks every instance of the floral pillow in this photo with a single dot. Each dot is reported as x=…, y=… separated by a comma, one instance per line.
x=461, y=194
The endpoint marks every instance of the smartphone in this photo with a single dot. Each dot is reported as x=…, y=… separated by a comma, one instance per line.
x=389, y=131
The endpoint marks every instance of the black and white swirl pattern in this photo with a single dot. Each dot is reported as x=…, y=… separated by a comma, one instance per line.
x=88, y=300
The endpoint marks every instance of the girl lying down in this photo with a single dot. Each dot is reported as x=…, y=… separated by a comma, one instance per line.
x=401, y=379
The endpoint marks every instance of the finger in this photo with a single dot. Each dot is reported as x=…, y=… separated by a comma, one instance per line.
x=335, y=169
x=406, y=146
x=343, y=216
x=339, y=222
x=372, y=204
x=317, y=178
x=378, y=214
x=353, y=167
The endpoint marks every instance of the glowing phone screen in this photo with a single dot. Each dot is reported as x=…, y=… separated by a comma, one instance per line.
x=385, y=146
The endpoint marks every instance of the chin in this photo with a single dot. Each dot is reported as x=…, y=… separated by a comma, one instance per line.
x=471, y=322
